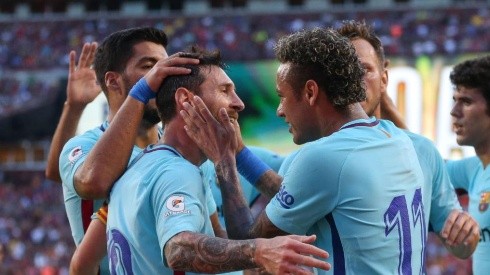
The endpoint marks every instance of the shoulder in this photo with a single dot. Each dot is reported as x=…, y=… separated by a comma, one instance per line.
x=470, y=162
x=423, y=145
x=315, y=156
x=89, y=138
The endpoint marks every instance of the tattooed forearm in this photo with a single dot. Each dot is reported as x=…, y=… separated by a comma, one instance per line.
x=269, y=183
x=195, y=252
x=263, y=228
x=238, y=216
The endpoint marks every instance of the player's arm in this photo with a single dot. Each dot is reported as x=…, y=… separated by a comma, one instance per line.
x=188, y=251
x=81, y=89
x=110, y=155
x=268, y=183
x=390, y=112
x=240, y=221
x=387, y=107
x=93, y=248
x=460, y=234
x=258, y=205
x=217, y=228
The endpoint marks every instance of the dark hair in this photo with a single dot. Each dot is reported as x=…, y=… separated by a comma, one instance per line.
x=474, y=74
x=324, y=56
x=116, y=49
x=165, y=98
x=360, y=30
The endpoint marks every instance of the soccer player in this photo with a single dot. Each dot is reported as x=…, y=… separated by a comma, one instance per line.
x=356, y=182
x=158, y=222
x=459, y=231
x=90, y=163
x=81, y=89
x=471, y=123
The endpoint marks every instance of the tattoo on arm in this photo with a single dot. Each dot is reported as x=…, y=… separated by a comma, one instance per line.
x=238, y=216
x=269, y=183
x=188, y=251
x=264, y=228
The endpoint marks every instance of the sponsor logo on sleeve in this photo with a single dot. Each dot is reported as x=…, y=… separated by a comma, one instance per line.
x=176, y=205
x=284, y=198
x=75, y=154
x=484, y=201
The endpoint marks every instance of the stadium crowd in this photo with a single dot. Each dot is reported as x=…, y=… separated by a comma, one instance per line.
x=39, y=44
x=33, y=45
x=34, y=234
x=18, y=95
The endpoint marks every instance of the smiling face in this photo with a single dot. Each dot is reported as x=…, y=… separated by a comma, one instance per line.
x=375, y=77
x=218, y=91
x=294, y=108
x=145, y=55
x=471, y=121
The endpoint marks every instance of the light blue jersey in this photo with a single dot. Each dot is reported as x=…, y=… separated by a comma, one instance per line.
x=443, y=195
x=160, y=195
x=78, y=210
x=361, y=190
x=469, y=174
x=272, y=159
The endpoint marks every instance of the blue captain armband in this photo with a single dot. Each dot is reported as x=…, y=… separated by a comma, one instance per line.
x=250, y=166
x=142, y=92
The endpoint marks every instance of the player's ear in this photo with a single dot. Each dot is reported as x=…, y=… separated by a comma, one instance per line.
x=112, y=81
x=183, y=95
x=311, y=91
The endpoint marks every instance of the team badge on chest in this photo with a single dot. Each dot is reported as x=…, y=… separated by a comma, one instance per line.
x=484, y=201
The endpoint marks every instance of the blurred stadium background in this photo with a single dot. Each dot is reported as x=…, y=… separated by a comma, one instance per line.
x=422, y=38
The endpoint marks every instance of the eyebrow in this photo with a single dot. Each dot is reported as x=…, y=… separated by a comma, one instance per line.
x=146, y=59
x=227, y=85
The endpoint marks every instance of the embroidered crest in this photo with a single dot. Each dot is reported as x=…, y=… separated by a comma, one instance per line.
x=484, y=201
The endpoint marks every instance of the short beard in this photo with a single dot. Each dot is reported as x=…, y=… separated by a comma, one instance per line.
x=150, y=117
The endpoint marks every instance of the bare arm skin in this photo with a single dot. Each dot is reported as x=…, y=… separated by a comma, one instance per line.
x=109, y=157
x=240, y=223
x=390, y=112
x=195, y=252
x=460, y=234
x=81, y=89
x=217, y=229
x=269, y=184
x=91, y=251
x=258, y=205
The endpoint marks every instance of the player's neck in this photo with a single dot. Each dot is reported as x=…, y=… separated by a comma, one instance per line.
x=176, y=137
x=147, y=136
x=340, y=118
x=483, y=153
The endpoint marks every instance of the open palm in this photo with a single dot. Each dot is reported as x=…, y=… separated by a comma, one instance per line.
x=82, y=87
